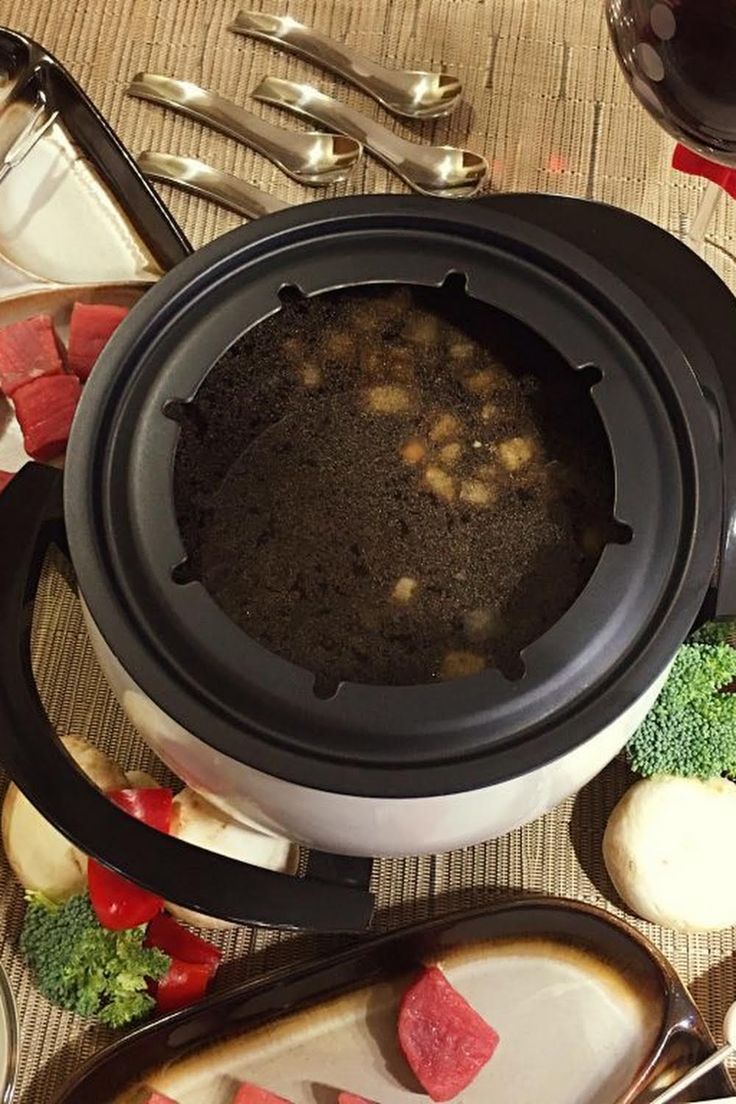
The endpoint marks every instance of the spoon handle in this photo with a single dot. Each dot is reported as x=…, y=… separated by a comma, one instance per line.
x=402, y=91
x=694, y=1075
x=310, y=103
x=303, y=40
x=202, y=179
x=293, y=152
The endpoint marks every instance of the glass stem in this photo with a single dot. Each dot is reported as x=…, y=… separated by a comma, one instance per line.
x=695, y=236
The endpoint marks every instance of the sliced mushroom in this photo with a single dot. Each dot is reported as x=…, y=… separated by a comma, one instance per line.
x=41, y=858
x=198, y=822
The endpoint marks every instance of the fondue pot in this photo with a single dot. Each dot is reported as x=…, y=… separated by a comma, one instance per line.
x=377, y=770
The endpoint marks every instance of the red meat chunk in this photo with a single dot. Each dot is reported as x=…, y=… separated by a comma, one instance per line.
x=159, y=1098
x=253, y=1094
x=5, y=478
x=444, y=1040
x=28, y=351
x=92, y=326
x=45, y=409
x=351, y=1098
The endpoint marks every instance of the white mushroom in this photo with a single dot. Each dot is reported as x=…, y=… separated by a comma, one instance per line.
x=668, y=850
x=40, y=857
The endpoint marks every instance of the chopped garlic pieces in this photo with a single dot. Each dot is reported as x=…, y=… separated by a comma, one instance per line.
x=413, y=450
x=450, y=454
x=480, y=624
x=311, y=376
x=440, y=483
x=446, y=425
x=476, y=493
x=388, y=399
x=457, y=665
x=516, y=452
x=405, y=589
x=482, y=382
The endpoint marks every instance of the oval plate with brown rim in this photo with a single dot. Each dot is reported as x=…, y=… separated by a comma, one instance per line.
x=587, y=1010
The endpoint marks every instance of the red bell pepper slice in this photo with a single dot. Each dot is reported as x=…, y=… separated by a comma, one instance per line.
x=254, y=1094
x=183, y=984
x=170, y=937
x=153, y=806
x=118, y=903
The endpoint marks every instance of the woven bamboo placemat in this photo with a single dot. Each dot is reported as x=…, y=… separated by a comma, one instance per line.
x=547, y=105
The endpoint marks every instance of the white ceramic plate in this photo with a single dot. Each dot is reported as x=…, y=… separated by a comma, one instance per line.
x=587, y=1012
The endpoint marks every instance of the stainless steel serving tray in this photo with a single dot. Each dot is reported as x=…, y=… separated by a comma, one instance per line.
x=78, y=221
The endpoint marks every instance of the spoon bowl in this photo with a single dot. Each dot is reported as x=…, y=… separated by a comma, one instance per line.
x=421, y=95
x=430, y=170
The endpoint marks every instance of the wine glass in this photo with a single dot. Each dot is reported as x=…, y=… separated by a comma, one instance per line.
x=679, y=57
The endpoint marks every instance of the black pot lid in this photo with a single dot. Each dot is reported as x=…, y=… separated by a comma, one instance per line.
x=203, y=671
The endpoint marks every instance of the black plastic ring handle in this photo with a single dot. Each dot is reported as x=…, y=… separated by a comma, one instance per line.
x=332, y=896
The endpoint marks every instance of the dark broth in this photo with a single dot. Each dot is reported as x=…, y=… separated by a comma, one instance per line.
x=393, y=486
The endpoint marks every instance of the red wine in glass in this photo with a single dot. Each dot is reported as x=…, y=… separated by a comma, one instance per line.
x=680, y=59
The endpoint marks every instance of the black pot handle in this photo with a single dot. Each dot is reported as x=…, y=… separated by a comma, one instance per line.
x=332, y=896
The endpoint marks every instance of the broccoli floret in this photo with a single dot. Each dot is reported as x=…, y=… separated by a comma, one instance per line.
x=715, y=632
x=691, y=730
x=86, y=968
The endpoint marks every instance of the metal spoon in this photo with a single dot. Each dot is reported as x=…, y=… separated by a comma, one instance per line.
x=413, y=93
x=431, y=170
x=717, y=1059
x=202, y=179
x=309, y=158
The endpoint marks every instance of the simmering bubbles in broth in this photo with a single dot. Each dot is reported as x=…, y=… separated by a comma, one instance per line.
x=394, y=485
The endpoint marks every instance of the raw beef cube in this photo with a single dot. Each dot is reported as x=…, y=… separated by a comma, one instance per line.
x=351, y=1098
x=158, y=1098
x=45, y=409
x=444, y=1040
x=28, y=350
x=91, y=328
x=252, y=1094
x=5, y=478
